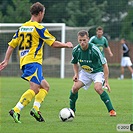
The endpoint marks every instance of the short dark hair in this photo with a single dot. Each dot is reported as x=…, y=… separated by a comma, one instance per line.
x=123, y=39
x=99, y=28
x=36, y=8
x=82, y=33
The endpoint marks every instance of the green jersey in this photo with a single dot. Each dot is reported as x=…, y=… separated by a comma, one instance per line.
x=91, y=60
x=99, y=42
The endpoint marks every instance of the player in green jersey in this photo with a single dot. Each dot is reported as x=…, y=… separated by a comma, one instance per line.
x=30, y=39
x=93, y=69
x=101, y=41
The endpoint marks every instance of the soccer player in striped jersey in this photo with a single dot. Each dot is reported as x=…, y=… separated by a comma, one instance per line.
x=93, y=69
x=30, y=39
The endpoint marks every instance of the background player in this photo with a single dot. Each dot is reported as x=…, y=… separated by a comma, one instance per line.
x=93, y=69
x=30, y=39
x=100, y=41
x=125, y=58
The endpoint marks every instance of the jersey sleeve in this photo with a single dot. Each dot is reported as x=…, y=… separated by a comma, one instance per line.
x=45, y=35
x=74, y=59
x=14, y=42
x=91, y=39
x=106, y=42
x=125, y=48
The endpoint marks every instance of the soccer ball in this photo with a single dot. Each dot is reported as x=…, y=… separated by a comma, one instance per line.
x=66, y=114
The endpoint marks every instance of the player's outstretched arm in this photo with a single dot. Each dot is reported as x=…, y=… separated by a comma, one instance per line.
x=4, y=63
x=58, y=44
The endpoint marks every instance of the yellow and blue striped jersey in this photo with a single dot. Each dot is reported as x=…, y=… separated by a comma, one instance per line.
x=30, y=39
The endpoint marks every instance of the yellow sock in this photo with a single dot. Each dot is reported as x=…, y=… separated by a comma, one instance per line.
x=24, y=100
x=39, y=98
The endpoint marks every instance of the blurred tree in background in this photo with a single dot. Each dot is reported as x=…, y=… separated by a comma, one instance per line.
x=114, y=15
x=82, y=13
x=14, y=11
x=127, y=25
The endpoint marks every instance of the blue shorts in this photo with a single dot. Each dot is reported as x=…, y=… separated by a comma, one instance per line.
x=32, y=72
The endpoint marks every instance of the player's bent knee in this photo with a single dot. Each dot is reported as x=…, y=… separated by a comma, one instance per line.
x=45, y=85
x=99, y=90
x=36, y=90
x=75, y=89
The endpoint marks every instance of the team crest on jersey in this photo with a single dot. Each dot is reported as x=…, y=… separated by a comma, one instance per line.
x=101, y=48
x=87, y=68
x=26, y=29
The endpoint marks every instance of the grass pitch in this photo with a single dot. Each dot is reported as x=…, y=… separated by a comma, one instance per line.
x=91, y=114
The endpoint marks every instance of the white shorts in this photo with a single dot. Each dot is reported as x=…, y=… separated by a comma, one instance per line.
x=87, y=78
x=125, y=61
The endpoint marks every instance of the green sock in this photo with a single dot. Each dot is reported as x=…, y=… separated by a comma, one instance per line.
x=73, y=98
x=105, y=98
